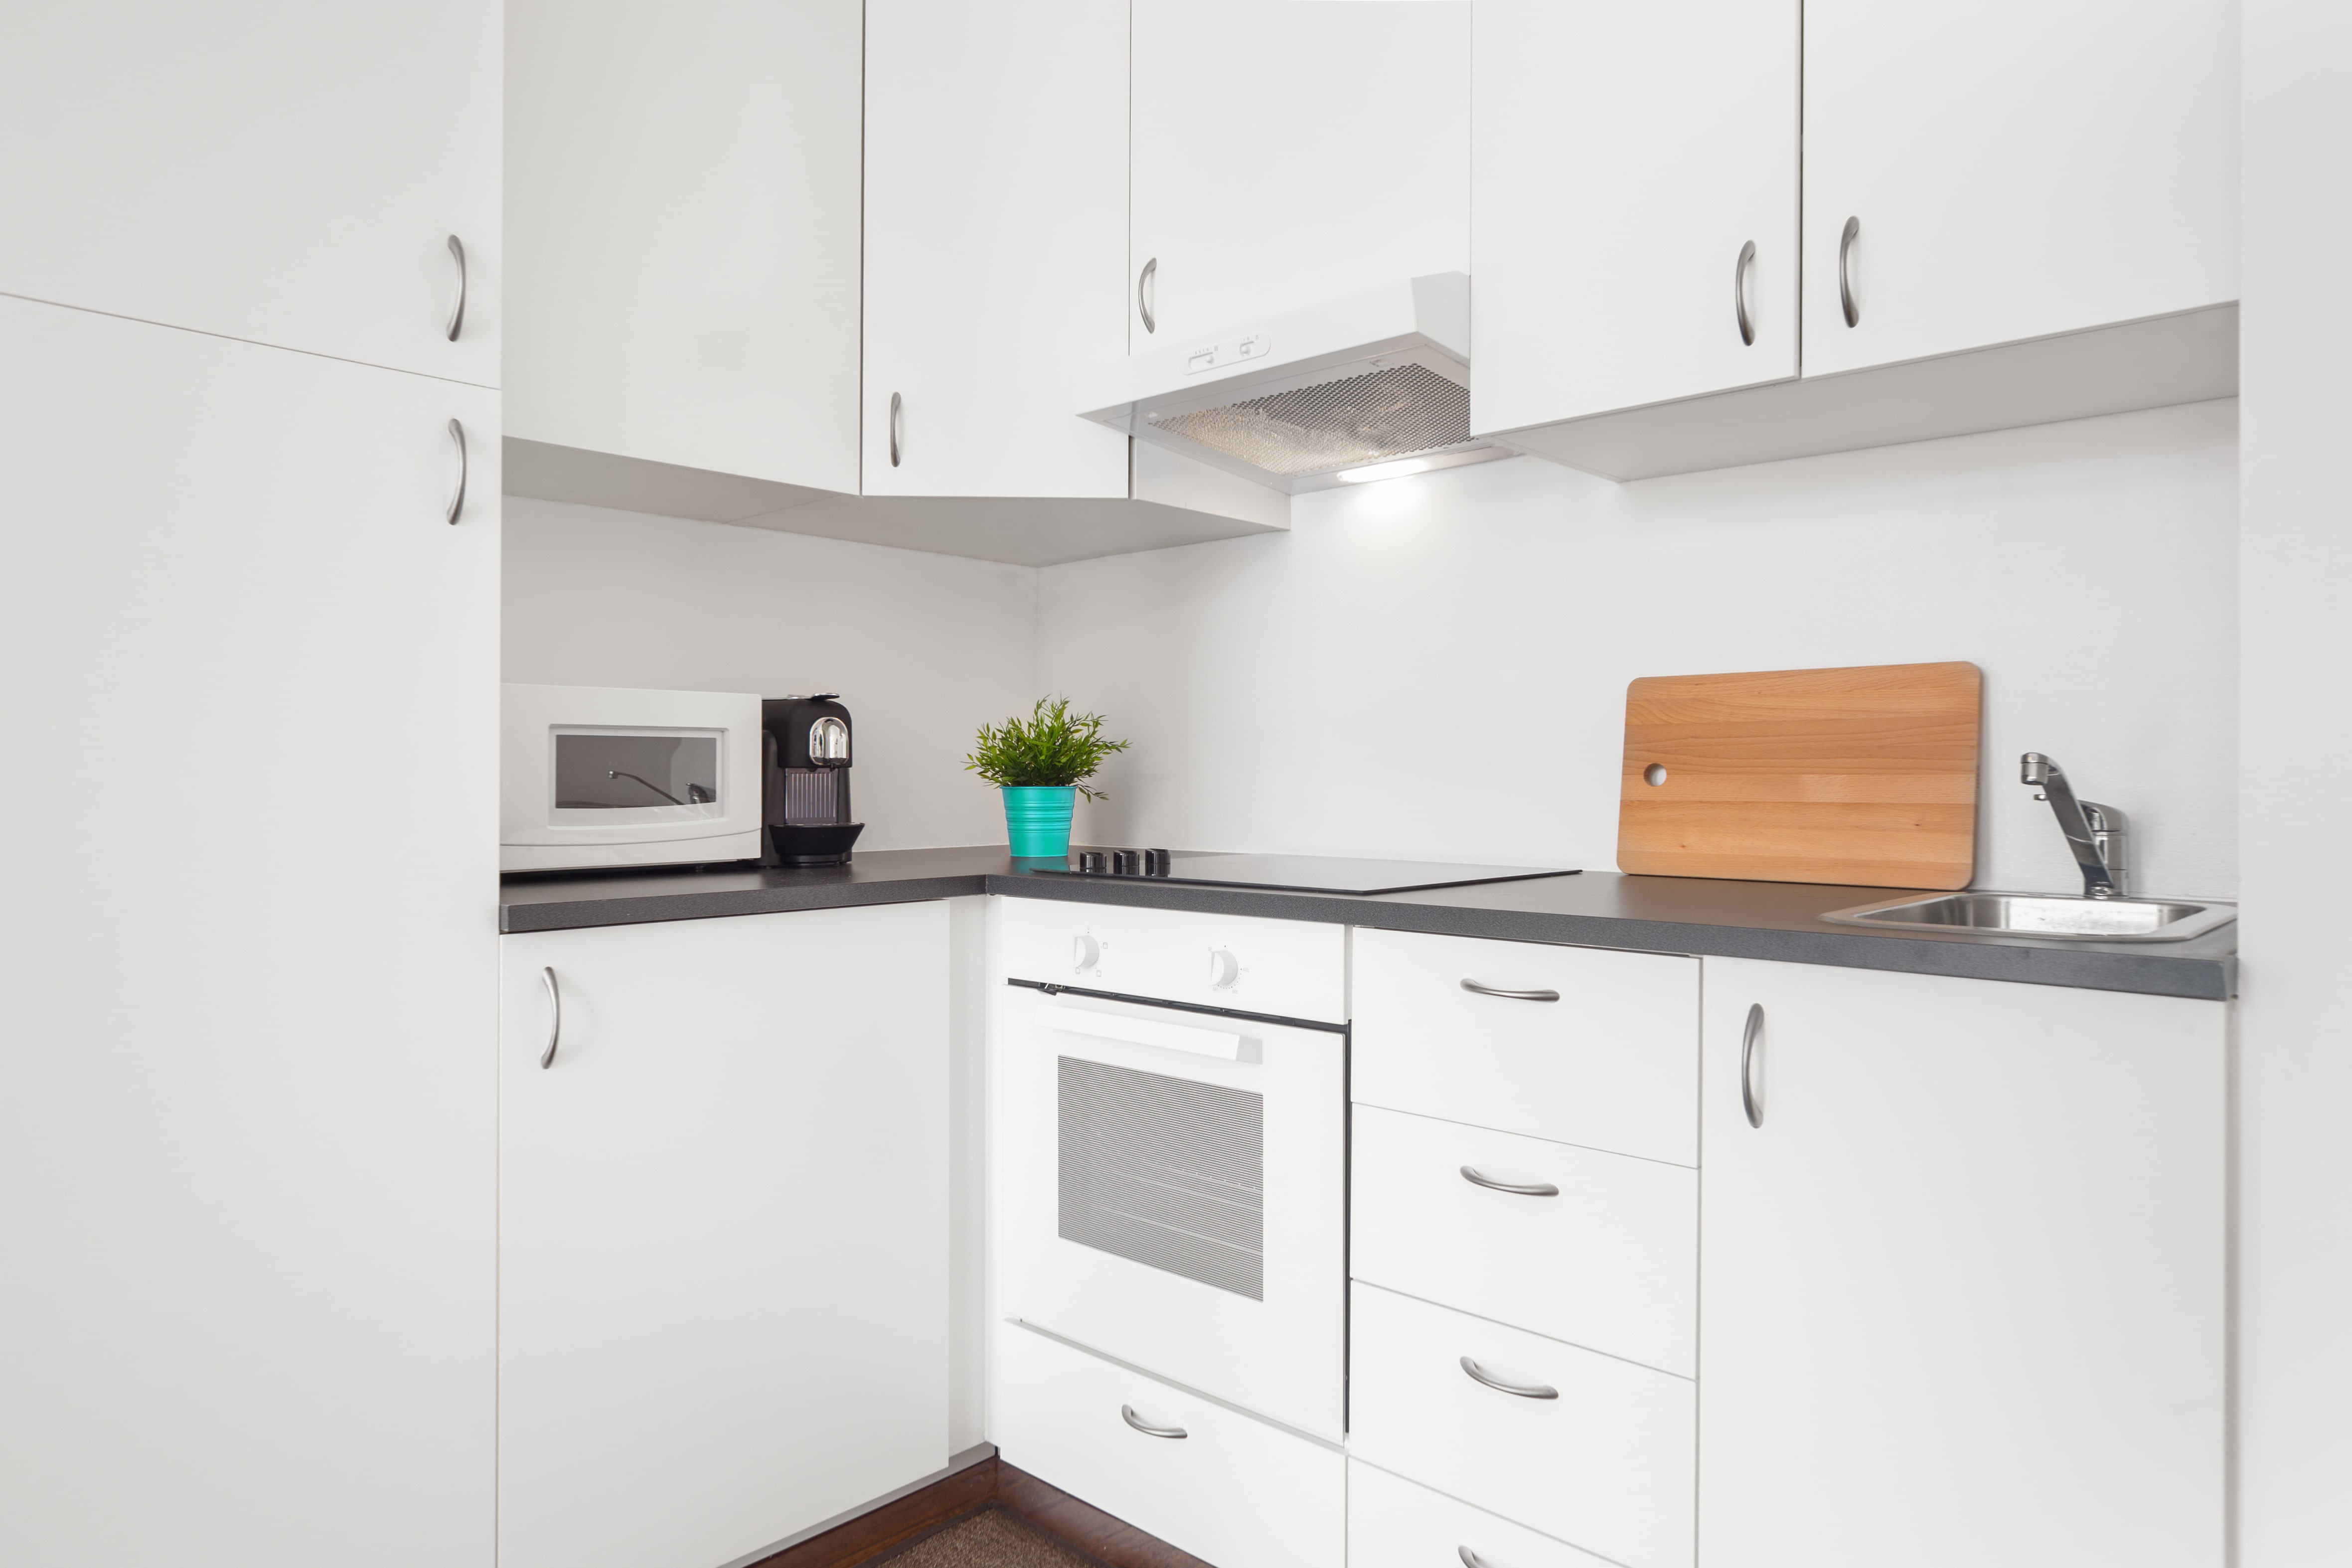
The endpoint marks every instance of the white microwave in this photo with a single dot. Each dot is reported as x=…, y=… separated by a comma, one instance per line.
x=597, y=776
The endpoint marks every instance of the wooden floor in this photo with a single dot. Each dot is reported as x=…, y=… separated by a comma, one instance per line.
x=992, y=1483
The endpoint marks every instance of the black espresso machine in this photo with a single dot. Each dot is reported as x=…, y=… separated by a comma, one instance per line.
x=804, y=758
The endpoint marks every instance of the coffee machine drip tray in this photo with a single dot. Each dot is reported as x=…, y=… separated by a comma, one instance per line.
x=1287, y=873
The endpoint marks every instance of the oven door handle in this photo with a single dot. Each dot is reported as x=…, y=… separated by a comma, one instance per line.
x=1223, y=1044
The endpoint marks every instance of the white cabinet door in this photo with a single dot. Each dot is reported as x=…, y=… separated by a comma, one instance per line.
x=272, y=169
x=682, y=202
x=995, y=245
x=2014, y=168
x=1962, y=1291
x=723, y=1242
x=1625, y=157
x=246, y=1145
x=1291, y=152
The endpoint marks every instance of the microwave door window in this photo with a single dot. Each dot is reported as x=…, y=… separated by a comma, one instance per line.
x=631, y=773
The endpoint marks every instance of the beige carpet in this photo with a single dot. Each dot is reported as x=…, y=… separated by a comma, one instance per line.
x=989, y=1538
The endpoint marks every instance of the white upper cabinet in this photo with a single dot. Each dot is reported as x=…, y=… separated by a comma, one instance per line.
x=722, y=1230
x=2014, y=169
x=682, y=216
x=288, y=174
x=995, y=245
x=1634, y=213
x=1290, y=151
x=1962, y=1281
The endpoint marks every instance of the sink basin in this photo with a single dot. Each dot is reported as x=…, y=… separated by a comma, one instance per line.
x=2045, y=915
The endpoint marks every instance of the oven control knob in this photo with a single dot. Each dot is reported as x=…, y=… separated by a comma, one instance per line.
x=1225, y=969
x=1084, y=953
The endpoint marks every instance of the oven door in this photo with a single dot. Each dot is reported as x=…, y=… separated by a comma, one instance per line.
x=1172, y=1192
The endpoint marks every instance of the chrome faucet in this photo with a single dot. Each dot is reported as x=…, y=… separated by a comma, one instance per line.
x=2094, y=833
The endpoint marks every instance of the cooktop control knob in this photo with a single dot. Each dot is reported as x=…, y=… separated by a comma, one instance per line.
x=1225, y=969
x=1084, y=953
x=1156, y=862
x=1093, y=861
x=1127, y=862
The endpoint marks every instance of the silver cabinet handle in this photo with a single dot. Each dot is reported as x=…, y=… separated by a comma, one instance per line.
x=554, y=1017
x=1470, y=1559
x=1750, y=1101
x=457, y=500
x=898, y=427
x=1524, y=1390
x=1514, y=995
x=457, y=311
x=1525, y=1189
x=1845, y=272
x=1127, y=1414
x=1739, y=293
x=1144, y=293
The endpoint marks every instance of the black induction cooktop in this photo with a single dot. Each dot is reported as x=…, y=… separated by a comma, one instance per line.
x=1296, y=873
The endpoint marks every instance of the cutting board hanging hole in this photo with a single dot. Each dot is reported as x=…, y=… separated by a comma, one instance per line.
x=1655, y=774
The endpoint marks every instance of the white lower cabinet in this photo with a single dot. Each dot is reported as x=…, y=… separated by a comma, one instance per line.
x=1963, y=1286
x=1227, y=1488
x=1594, y=1450
x=1392, y=1523
x=723, y=1230
x=1595, y=1248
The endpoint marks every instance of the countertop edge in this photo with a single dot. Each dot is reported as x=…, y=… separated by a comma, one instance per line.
x=565, y=914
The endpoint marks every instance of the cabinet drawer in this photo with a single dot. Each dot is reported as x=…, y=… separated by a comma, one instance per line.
x=1392, y=1523
x=1612, y=1064
x=1610, y=1261
x=1608, y=1463
x=1233, y=1490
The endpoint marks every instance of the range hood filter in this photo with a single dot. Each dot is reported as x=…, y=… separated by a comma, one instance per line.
x=1403, y=411
x=1312, y=399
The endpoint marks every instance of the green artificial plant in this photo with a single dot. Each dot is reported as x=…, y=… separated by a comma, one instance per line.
x=1052, y=746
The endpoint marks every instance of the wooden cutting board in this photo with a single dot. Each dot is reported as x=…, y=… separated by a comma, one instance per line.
x=1865, y=776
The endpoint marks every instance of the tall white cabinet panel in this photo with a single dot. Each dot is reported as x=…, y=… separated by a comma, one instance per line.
x=246, y=1144
x=1291, y=152
x=723, y=1230
x=2014, y=168
x=1633, y=212
x=682, y=211
x=995, y=245
x=272, y=169
x=1962, y=1291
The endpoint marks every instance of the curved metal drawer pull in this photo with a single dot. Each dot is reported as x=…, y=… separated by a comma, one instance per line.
x=458, y=502
x=554, y=1017
x=457, y=312
x=1470, y=1559
x=898, y=427
x=1525, y=1189
x=1524, y=1390
x=1750, y=1101
x=1845, y=272
x=1514, y=995
x=1127, y=1414
x=1143, y=293
x=1739, y=293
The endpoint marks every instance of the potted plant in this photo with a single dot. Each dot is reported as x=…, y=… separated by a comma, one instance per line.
x=1042, y=764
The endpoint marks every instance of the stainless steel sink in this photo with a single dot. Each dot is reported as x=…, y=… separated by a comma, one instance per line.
x=2043, y=915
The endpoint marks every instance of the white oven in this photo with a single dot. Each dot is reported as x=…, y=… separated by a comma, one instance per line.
x=592, y=776
x=1171, y=1168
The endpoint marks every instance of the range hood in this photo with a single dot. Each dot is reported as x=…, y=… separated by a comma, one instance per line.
x=1368, y=387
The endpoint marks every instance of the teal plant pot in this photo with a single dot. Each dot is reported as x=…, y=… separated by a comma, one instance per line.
x=1037, y=819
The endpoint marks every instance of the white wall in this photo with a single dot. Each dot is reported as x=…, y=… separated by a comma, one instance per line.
x=922, y=647
x=2294, y=1040
x=1436, y=666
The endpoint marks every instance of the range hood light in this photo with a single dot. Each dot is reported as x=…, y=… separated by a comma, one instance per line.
x=1395, y=471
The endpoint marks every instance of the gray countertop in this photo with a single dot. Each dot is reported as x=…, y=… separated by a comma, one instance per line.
x=1777, y=921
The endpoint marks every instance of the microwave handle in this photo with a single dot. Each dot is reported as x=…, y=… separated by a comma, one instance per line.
x=1223, y=1044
